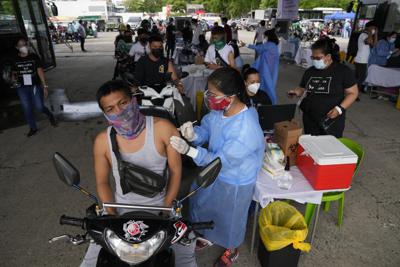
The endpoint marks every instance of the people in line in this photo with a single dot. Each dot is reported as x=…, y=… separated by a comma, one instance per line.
x=170, y=37
x=233, y=134
x=329, y=89
x=31, y=84
x=367, y=40
x=227, y=29
x=259, y=36
x=253, y=95
x=383, y=49
x=267, y=63
x=219, y=53
x=141, y=46
x=82, y=35
x=153, y=69
x=197, y=31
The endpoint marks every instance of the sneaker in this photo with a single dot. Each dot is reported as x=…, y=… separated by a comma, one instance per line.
x=32, y=132
x=53, y=121
x=202, y=243
x=227, y=258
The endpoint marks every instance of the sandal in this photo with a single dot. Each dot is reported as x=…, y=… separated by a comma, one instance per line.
x=227, y=258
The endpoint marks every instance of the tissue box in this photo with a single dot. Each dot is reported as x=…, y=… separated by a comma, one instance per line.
x=286, y=135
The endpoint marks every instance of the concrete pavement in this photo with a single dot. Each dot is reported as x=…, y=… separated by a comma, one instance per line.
x=32, y=197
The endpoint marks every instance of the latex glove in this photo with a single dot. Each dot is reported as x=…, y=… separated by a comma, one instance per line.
x=187, y=131
x=182, y=147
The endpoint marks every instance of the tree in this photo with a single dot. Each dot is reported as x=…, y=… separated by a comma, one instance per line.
x=144, y=5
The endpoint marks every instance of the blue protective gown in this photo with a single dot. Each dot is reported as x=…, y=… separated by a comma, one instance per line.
x=267, y=65
x=239, y=142
x=380, y=53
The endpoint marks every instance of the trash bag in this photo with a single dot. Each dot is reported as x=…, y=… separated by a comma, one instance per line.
x=281, y=225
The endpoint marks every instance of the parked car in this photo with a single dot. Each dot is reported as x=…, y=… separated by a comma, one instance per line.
x=134, y=22
x=113, y=23
x=251, y=24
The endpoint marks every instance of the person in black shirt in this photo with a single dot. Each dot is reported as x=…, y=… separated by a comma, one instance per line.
x=31, y=84
x=170, y=36
x=152, y=70
x=187, y=33
x=254, y=97
x=330, y=88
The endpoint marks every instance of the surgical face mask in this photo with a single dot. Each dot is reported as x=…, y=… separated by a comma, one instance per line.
x=23, y=49
x=219, y=44
x=253, y=88
x=157, y=52
x=319, y=64
x=129, y=123
x=373, y=31
x=392, y=40
x=217, y=102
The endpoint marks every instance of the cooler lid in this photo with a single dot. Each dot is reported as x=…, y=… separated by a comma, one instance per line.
x=327, y=150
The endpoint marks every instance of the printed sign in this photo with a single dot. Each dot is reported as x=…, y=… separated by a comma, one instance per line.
x=319, y=85
x=288, y=9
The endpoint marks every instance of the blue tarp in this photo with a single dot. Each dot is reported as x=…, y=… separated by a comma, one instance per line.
x=340, y=16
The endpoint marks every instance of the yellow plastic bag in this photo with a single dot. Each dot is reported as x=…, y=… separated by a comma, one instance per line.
x=281, y=225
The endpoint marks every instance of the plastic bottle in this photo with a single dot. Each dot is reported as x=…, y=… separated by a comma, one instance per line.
x=286, y=180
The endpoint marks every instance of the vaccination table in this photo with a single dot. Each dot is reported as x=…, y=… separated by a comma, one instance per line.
x=267, y=191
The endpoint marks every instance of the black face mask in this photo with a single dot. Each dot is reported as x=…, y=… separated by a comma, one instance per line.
x=158, y=52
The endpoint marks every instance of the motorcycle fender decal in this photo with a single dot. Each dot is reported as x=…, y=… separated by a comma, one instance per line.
x=180, y=230
x=135, y=230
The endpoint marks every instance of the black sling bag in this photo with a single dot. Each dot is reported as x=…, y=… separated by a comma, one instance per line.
x=136, y=179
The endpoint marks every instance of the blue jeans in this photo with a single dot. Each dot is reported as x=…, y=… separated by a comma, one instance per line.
x=31, y=96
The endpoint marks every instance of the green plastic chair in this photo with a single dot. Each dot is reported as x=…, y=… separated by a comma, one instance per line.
x=327, y=198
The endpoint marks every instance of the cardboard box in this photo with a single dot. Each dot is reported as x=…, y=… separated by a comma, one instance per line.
x=199, y=60
x=286, y=135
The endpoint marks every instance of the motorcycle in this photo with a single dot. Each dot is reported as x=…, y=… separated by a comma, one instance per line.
x=137, y=238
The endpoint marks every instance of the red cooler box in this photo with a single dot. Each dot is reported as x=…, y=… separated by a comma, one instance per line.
x=325, y=162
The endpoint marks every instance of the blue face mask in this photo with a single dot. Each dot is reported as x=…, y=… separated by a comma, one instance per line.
x=392, y=40
x=319, y=64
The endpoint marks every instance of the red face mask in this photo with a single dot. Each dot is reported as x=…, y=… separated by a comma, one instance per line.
x=217, y=103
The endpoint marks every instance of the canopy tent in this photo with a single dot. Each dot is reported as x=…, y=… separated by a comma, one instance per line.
x=340, y=16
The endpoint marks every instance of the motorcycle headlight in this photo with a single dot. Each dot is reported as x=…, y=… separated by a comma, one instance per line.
x=134, y=253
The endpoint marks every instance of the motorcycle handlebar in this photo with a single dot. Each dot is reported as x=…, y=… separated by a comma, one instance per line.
x=72, y=221
x=202, y=225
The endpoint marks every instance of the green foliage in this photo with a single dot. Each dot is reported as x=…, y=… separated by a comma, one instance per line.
x=231, y=8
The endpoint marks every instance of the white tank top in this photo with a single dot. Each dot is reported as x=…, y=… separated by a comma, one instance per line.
x=147, y=157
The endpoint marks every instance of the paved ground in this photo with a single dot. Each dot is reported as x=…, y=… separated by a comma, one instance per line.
x=32, y=197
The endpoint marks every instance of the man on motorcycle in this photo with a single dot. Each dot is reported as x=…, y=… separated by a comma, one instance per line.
x=141, y=140
x=151, y=70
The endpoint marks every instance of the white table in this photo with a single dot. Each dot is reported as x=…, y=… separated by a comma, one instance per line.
x=303, y=57
x=195, y=82
x=267, y=191
x=384, y=77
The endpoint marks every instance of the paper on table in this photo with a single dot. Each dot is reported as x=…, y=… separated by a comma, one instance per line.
x=27, y=79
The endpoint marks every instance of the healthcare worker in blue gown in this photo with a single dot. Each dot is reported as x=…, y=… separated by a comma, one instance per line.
x=267, y=63
x=233, y=134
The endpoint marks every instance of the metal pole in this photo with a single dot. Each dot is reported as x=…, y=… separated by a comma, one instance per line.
x=253, y=235
x=135, y=207
x=315, y=224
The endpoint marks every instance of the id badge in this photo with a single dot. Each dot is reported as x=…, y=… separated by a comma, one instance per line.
x=27, y=79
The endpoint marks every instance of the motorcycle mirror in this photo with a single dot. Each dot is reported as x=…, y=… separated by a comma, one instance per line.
x=208, y=175
x=65, y=170
x=54, y=9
